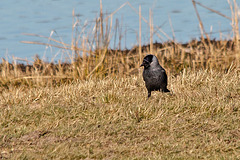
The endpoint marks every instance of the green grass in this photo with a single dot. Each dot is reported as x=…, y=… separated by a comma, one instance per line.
x=112, y=119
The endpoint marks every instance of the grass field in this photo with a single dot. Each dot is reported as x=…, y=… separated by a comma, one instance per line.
x=95, y=106
x=112, y=119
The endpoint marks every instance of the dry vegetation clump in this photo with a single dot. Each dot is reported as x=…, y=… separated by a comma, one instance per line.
x=111, y=119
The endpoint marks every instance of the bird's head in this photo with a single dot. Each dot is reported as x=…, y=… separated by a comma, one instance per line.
x=149, y=60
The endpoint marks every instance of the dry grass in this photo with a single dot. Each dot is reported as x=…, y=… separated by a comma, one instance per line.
x=111, y=119
x=96, y=107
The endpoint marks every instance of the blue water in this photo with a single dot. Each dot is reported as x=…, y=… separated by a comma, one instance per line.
x=42, y=17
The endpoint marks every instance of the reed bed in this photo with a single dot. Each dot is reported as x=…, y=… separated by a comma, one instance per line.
x=89, y=53
x=216, y=55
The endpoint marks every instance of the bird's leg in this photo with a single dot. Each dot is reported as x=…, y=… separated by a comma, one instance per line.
x=149, y=94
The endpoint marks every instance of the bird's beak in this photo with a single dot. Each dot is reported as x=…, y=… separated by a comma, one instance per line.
x=145, y=62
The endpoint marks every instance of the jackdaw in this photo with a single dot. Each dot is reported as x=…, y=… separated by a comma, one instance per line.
x=154, y=75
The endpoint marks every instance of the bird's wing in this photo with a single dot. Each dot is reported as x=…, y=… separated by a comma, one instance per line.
x=144, y=75
x=163, y=76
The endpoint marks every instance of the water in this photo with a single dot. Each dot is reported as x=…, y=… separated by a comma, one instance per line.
x=42, y=17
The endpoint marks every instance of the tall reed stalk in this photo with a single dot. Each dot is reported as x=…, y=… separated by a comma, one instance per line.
x=91, y=57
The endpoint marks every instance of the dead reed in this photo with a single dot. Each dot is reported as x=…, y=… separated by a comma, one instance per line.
x=90, y=55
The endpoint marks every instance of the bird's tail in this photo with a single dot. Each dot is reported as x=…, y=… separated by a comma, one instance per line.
x=165, y=90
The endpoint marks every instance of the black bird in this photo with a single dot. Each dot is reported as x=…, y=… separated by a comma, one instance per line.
x=154, y=75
